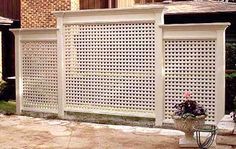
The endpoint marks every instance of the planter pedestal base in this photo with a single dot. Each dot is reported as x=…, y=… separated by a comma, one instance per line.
x=186, y=125
x=183, y=142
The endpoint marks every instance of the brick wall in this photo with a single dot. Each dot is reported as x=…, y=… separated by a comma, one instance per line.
x=37, y=13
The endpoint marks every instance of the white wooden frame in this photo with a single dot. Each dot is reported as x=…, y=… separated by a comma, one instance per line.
x=22, y=35
x=139, y=14
x=204, y=31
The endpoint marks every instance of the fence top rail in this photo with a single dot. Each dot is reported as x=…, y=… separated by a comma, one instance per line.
x=140, y=9
x=211, y=26
x=37, y=34
x=36, y=30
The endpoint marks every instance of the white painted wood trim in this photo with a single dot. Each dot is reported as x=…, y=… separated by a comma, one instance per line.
x=134, y=114
x=159, y=87
x=192, y=31
x=220, y=75
x=94, y=12
x=110, y=15
x=108, y=22
x=211, y=26
x=39, y=110
x=18, y=73
x=60, y=59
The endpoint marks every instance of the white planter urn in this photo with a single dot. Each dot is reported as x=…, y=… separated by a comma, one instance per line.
x=186, y=125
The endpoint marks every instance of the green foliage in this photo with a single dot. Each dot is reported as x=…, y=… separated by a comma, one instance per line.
x=230, y=88
x=7, y=91
x=189, y=108
x=230, y=76
x=230, y=92
x=3, y=85
x=230, y=55
x=7, y=108
x=234, y=103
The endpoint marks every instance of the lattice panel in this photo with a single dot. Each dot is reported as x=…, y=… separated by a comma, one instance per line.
x=110, y=67
x=190, y=65
x=39, y=72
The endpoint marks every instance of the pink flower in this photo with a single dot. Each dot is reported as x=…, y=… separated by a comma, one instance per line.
x=187, y=95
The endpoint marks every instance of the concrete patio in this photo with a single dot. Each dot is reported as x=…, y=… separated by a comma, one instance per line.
x=27, y=132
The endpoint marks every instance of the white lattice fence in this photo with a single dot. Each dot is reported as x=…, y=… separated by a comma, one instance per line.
x=190, y=65
x=194, y=61
x=110, y=68
x=39, y=74
x=36, y=70
x=120, y=62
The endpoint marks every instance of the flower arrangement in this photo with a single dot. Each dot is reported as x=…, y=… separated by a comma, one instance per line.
x=189, y=108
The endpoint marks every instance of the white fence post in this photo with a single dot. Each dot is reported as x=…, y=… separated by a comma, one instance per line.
x=159, y=86
x=220, y=74
x=60, y=59
x=18, y=72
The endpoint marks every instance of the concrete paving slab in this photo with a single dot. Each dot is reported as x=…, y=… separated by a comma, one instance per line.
x=21, y=132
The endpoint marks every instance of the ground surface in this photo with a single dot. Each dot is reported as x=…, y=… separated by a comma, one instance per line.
x=27, y=132
x=7, y=107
